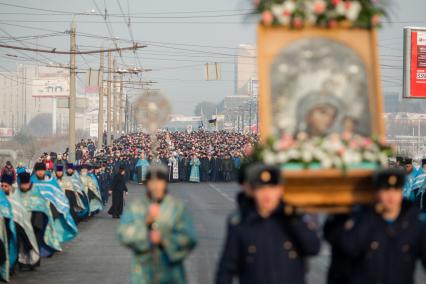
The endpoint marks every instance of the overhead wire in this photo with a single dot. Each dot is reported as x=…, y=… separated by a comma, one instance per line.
x=129, y=28
x=63, y=12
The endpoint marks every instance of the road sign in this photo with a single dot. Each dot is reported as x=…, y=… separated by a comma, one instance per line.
x=212, y=71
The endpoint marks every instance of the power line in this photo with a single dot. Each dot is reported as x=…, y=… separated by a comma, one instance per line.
x=124, y=40
x=62, y=12
x=108, y=25
x=129, y=27
x=54, y=51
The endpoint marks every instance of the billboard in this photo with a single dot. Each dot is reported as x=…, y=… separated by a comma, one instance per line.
x=414, y=62
x=6, y=132
x=50, y=87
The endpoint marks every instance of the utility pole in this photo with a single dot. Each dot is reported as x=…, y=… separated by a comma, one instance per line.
x=120, y=108
x=114, y=94
x=101, y=103
x=72, y=98
x=109, y=100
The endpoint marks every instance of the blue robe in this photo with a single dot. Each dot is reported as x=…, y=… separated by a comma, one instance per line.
x=141, y=169
x=195, y=170
x=152, y=264
x=51, y=191
x=6, y=223
x=79, y=187
x=22, y=218
x=409, y=186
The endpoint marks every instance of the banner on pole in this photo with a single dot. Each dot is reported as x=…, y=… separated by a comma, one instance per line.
x=93, y=81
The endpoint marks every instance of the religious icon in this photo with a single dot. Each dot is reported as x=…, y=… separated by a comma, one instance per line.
x=319, y=87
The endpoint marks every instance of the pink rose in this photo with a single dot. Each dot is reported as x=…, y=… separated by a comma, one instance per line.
x=341, y=152
x=332, y=24
x=286, y=13
x=286, y=142
x=267, y=18
x=375, y=20
x=367, y=142
x=256, y=3
x=354, y=144
x=297, y=22
x=335, y=2
x=348, y=5
x=319, y=8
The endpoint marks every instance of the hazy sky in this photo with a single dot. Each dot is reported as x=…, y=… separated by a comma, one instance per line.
x=181, y=37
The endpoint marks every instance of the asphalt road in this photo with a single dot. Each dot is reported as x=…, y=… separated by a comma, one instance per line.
x=95, y=256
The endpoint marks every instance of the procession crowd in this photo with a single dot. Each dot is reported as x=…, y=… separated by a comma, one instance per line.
x=267, y=241
x=41, y=206
x=198, y=156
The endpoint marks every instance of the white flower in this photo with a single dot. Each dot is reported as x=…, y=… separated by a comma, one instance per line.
x=281, y=14
x=369, y=156
x=326, y=163
x=353, y=12
x=384, y=161
x=293, y=154
x=269, y=158
x=319, y=154
x=307, y=156
x=282, y=157
x=341, y=9
x=289, y=6
x=352, y=157
x=311, y=18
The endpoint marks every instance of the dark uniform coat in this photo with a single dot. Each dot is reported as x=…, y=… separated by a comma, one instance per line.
x=341, y=264
x=118, y=187
x=384, y=252
x=103, y=185
x=204, y=169
x=267, y=250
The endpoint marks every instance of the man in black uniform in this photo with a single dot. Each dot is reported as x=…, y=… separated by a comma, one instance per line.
x=272, y=243
x=383, y=242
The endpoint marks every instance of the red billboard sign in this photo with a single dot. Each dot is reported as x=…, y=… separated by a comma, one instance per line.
x=415, y=63
x=6, y=132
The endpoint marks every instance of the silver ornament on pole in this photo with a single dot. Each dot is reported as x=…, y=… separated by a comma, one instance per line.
x=153, y=111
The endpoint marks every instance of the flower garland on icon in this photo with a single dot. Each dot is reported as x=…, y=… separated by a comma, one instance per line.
x=364, y=14
x=333, y=151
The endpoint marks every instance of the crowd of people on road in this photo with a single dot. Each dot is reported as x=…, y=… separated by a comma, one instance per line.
x=41, y=207
x=198, y=156
x=267, y=241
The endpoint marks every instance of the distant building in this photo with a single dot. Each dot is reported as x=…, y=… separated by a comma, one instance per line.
x=16, y=98
x=184, y=123
x=245, y=70
x=27, y=99
x=240, y=112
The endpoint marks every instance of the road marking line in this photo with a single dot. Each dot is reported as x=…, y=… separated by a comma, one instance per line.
x=220, y=191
